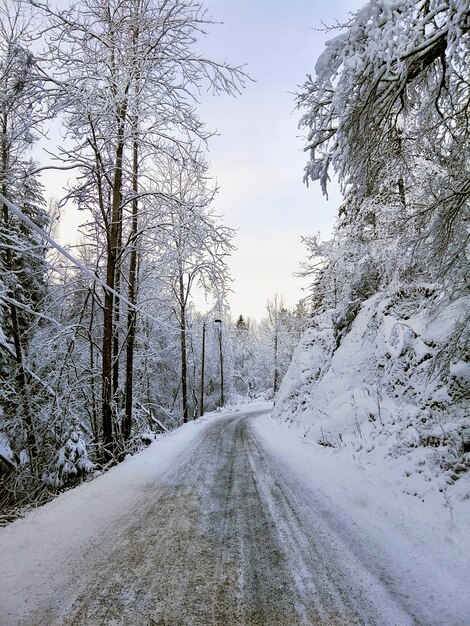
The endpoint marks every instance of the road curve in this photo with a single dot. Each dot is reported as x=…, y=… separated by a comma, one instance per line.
x=225, y=538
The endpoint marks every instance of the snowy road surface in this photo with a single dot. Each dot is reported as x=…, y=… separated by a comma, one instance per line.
x=221, y=533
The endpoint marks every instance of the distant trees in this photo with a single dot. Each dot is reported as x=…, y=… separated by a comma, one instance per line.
x=282, y=330
x=193, y=247
x=263, y=351
x=245, y=353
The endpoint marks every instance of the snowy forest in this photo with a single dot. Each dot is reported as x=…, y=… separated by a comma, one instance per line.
x=101, y=345
x=384, y=368
x=165, y=457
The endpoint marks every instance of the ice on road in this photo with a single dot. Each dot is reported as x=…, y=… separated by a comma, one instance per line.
x=222, y=536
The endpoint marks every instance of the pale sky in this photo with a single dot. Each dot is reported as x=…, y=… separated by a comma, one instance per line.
x=258, y=159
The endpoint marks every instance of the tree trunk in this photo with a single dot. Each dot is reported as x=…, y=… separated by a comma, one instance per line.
x=91, y=356
x=107, y=353
x=276, y=371
x=131, y=313
x=222, y=397
x=117, y=310
x=203, y=367
x=108, y=315
x=184, y=365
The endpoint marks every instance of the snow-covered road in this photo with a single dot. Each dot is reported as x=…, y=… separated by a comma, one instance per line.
x=211, y=526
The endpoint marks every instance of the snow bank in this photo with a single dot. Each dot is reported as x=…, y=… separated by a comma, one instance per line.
x=377, y=396
x=423, y=548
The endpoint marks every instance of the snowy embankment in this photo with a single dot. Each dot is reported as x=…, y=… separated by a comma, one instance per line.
x=376, y=395
x=420, y=549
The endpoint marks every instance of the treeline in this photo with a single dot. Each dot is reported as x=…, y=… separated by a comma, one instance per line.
x=90, y=361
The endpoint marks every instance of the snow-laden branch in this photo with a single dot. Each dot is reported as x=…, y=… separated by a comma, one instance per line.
x=15, y=210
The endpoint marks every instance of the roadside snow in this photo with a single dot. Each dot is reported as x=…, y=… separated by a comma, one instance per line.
x=54, y=538
x=394, y=394
x=419, y=550
x=425, y=545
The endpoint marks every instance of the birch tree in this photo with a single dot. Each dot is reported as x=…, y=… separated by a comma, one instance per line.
x=194, y=247
x=127, y=76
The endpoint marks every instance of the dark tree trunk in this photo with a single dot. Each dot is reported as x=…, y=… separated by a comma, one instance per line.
x=276, y=371
x=203, y=363
x=184, y=364
x=117, y=310
x=221, y=355
x=107, y=355
x=131, y=313
x=22, y=385
x=108, y=315
x=93, y=382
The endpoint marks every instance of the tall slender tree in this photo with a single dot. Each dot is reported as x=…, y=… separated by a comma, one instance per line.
x=194, y=246
x=22, y=111
x=127, y=75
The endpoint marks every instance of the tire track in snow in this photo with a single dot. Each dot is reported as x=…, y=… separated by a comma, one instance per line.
x=221, y=539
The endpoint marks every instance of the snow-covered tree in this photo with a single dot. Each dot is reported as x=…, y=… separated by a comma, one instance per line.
x=72, y=462
x=244, y=346
x=280, y=335
x=22, y=110
x=127, y=79
x=194, y=246
x=388, y=113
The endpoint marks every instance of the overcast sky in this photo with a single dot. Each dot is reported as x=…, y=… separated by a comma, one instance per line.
x=257, y=159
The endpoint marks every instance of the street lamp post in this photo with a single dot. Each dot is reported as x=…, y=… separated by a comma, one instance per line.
x=201, y=411
x=203, y=361
x=222, y=400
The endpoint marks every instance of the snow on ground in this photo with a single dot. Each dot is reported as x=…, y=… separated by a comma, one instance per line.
x=375, y=423
x=424, y=542
x=76, y=520
x=375, y=396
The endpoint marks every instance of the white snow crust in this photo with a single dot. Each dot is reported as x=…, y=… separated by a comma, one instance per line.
x=426, y=547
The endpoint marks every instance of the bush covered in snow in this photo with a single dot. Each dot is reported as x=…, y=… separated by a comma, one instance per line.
x=72, y=462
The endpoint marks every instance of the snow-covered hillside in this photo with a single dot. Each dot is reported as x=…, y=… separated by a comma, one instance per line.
x=383, y=373
x=375, y=395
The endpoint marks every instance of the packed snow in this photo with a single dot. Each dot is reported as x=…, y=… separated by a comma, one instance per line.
x=426, y=543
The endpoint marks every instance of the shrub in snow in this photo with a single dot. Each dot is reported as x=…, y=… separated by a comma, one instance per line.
x=459, y=382
x=72, y=461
